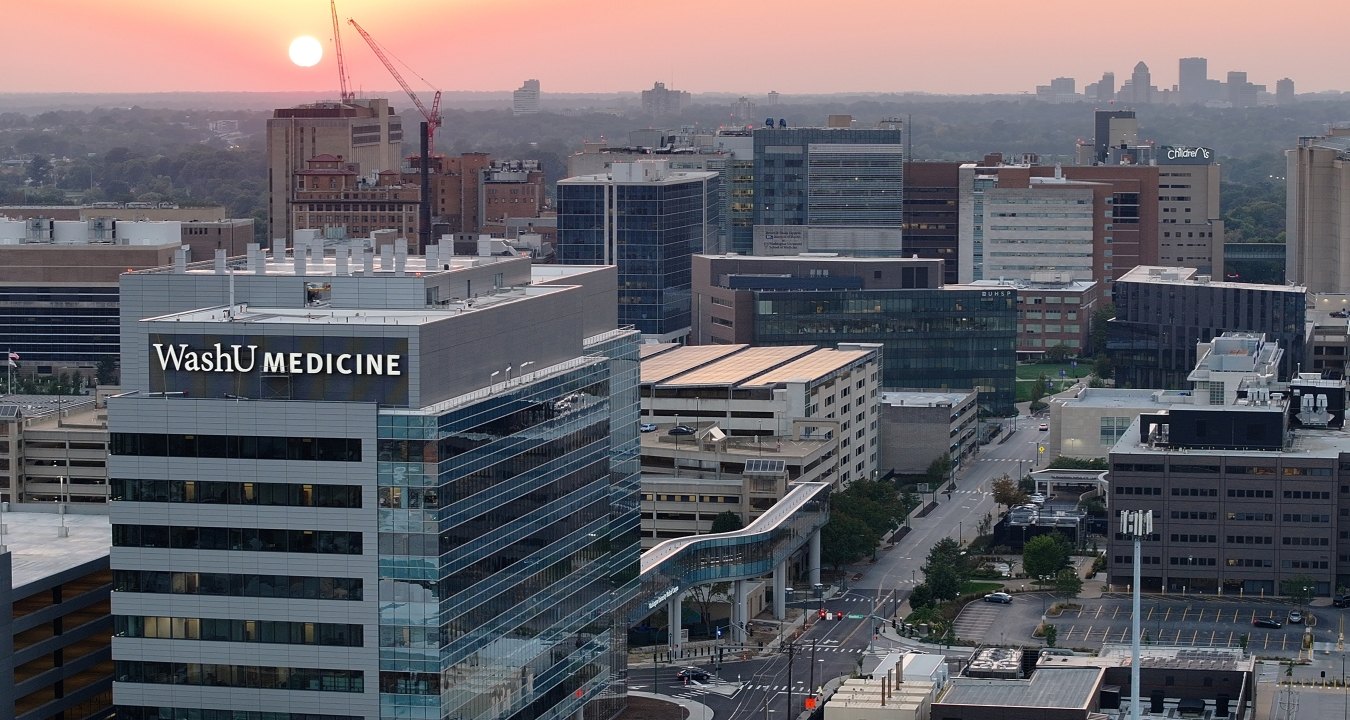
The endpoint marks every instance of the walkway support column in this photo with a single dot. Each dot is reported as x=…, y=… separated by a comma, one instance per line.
x=739, y=612
x=675, y=620
x=813, y=558
x=779, y=589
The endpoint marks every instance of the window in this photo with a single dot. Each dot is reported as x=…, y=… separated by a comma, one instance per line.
x=1112, y=429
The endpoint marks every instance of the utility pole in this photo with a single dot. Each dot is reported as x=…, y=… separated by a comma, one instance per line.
x=792, y=653
x=1137, y=524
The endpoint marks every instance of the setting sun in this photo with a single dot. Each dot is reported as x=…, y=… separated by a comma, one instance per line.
x=306, y=51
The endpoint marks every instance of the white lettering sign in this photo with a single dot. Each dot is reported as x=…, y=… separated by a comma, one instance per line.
x=243, y=358
x=1182, y=153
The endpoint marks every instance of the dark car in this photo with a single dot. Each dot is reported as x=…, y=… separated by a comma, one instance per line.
x=680, y=430
x=693, y=673
x=998, y=597
x=1341, y=601
x=1267, y=623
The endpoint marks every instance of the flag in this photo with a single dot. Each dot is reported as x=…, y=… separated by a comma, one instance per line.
x=14, y=359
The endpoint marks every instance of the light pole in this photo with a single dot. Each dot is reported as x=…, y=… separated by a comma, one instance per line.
x=493, y=379
x=1136, y=524
x=523, y=365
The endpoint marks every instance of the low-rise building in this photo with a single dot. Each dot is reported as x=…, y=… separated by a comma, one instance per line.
x=1087, y=425
x=899, y=686
x=918, y=427
x=56, y=624
x=1051, y=313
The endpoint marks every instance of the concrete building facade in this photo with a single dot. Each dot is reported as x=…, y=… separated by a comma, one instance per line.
x=1317, y=220
x=920, y=427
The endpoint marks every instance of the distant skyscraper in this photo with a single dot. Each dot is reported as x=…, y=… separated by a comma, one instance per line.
x=525, y=101
x=1193, y=79
x=648, y=220
x=1141, y=84
x=1317, y=222
x=1241, y=92
x=366, y=134
x=1106, y=87
x=1284, y=91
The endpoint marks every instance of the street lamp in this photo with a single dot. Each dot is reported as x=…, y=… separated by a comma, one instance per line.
x=523, y=365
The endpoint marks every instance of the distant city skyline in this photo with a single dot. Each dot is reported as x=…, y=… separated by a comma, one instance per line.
x=574, y=46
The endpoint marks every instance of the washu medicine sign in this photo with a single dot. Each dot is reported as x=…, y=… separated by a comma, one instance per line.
x=288, y=367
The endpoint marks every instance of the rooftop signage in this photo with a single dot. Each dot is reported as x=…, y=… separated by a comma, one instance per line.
x=1183, y=155
x=264, y=367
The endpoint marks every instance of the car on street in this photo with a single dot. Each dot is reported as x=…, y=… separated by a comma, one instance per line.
x=1295, y=617
x=998, y=597
x=1043, y=427
x=1341, y=601
x=1269, y=622
x=693, y=673
x=647, y=427
x=680, y=430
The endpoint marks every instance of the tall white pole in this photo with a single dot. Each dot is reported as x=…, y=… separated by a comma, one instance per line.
x=1137, y=524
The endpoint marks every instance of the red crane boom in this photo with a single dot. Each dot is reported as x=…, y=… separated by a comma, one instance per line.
x=432, y=115
x=347, y=94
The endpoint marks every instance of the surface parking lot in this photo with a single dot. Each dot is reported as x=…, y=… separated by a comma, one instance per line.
x=1198, y=624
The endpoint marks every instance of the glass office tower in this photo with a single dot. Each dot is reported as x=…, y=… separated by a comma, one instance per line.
x=339, y=497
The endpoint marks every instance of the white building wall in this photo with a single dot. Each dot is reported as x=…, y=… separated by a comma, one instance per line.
x=1045, y=230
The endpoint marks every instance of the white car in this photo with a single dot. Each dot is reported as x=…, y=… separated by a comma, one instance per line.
x=1043, y=427
x=1036, y=499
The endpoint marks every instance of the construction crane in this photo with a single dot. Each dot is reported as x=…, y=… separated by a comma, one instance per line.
x=347, y=94
x=433, y=115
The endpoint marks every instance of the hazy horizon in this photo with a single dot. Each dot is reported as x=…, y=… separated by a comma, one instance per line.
x=607, y=46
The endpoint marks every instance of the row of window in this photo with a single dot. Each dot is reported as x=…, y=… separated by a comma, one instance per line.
x=1190, y=538
x=1231, y=470
x=236, y=493
x=1193, y=561
x=290, y=587
x=231, y=630
x=136, y=712
x=1232, y=492
x=327, y=542
x=241, y=676
x=240, y=447
x=1195, y=492
x=1307, y=495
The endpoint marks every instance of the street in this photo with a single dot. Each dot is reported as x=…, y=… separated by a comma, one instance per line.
x=761, y=687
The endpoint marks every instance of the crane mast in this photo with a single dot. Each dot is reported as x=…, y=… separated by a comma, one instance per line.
x=347, y=94
x=432, y=115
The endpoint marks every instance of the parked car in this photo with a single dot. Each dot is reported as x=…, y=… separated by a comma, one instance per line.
x=680, y=430
x=1295, y=617
x=693, y=673
x=647, y=427
x=1341, y=601
x=998, y=597
x=1036, y=499
x=1269, y=622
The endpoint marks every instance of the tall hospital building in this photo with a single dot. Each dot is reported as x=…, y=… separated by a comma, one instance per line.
x=347, y=488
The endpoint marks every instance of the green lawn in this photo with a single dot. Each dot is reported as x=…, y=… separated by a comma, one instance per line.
x=979, y=586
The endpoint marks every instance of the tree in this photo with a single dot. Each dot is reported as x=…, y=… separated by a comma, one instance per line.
x=1068, y=583
x=703, y=596
x=1038, y=390
x=1058, y=353
x=939, y=471
x=921, y=597
x=945, y=569
x=1098, y=327
x=1007, y=493
x=845, y=539
x=1101, y=366
x=39, y=170
x=1045, y=555
x=1300, y=589
x=106, y=373
x=1051, y=635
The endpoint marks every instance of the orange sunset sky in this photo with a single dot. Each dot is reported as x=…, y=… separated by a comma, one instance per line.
x=739, y=46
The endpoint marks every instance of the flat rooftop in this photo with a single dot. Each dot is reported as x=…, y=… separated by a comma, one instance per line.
x=1060, y=687
x=320, y=315
x=919, y=398
x=741, y=365
x=33, y=406
x=322, y=265
x=38, y=553
x=1190, y=276
x=1127, y=398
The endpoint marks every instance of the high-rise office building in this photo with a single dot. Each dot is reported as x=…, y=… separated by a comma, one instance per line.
x=1193, y=79
x=1106, y=87
x=836, y=176
x=1317, y=220
x=932, y=218
x=525, y=100
x=365, y=133
x=1163, y=312
x=1284, y=92
x=344, y=490
x=1141, y=85
x=648, y=220
x=1190, y=219
x=1114, y=128
x=932, y=337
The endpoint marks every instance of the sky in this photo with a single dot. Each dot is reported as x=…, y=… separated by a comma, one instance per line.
x=736, y=46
